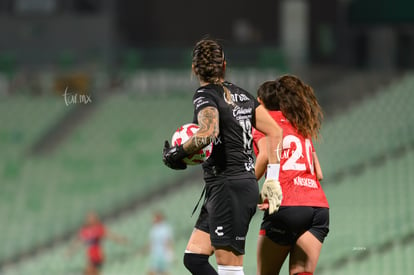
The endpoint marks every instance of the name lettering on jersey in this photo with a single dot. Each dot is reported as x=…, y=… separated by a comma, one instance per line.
x=306, y=182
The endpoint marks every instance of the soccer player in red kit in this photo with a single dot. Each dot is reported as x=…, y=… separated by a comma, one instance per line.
x=92, y=234
x=300, y=225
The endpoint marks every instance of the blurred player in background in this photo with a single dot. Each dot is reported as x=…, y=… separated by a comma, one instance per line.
x=91, y=234
x=302, y=222
x=225, y=114
x=161, y=245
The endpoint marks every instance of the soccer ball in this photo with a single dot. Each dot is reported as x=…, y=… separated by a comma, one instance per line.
x=182, y=134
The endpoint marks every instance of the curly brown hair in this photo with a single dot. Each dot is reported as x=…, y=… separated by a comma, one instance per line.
x=208, y=61
x=296, y=100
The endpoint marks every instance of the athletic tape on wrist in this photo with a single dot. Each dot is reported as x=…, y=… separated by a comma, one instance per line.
x=273, y=171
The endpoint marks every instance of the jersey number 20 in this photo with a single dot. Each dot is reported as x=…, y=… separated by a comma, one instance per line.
x=292, y=162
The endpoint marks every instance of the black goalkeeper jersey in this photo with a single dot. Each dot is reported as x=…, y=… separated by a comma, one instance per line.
x=232, y=154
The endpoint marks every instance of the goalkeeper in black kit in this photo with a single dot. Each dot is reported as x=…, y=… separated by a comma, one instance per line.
x=226, y=114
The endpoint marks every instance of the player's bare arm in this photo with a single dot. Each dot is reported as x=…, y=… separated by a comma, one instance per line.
x=208, y=120
x=273, y=132
x=261, y=159
x=318, y=168
x=271, y=190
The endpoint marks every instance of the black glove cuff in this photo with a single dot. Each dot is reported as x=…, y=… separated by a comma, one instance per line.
x=180, y=153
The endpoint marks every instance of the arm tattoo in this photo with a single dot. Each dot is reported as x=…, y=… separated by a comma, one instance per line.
x=208, y=120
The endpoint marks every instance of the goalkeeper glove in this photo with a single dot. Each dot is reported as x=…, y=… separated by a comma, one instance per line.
x=173, y=156
x=271, y=190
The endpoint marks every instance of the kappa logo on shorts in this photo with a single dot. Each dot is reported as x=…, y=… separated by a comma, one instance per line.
x=218, y=231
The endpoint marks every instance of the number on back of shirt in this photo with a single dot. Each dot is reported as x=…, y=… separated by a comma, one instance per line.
x=293, y=144
x=247, y=133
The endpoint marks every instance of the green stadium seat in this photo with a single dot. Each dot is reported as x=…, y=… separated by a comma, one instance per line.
x=370, y=129
x=114, y=158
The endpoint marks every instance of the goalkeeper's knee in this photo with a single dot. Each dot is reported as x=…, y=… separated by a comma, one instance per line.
x=198, y=264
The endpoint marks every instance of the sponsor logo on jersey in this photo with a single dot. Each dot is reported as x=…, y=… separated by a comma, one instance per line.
x=242, y=112
x=239, y=97
x=236, y=98
x=238, y=238
x=249, y=166
x=200, y=101
x=218, y=231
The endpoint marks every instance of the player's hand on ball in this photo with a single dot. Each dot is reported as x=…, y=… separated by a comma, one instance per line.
x=272, y=194
x=173, y=156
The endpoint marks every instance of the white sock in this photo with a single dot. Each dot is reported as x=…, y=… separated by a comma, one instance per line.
x=230, y=270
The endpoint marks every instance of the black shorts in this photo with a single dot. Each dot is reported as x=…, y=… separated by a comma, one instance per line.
x=228, y=208
x=286, y=225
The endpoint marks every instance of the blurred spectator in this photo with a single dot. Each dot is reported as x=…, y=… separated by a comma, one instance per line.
x=91, y=234
x=161, y=245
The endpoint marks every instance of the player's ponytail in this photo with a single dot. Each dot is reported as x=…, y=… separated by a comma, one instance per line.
x=208, y=62
x=296, y=100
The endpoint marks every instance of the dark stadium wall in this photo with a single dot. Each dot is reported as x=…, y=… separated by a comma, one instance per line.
x=81, y=31
x=35, y=39
x=169, y=23
x=382, y=33
x=381, y=12
x=325, y=29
